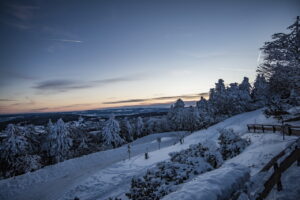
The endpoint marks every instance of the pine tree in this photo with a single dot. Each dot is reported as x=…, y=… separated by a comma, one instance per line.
x=178, y=116
x=126, y=130
x=281, y=65
x=111, y=133
x=14, y=153
x=139, y=127
x=57, y=142
x=206, y=112
x=193, y=119
x=260, y=90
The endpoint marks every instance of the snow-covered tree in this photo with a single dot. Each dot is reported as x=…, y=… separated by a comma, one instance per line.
x=245, y=95
x=178, y=116
x=58, y=142
x=260, y=90
x=111, y=133
x=139, y=127
x=14, y=153
x=206, y=112
x=219, y=100
x=281, y=64
x=126, y=130
x=193, y=119
x=14, y=144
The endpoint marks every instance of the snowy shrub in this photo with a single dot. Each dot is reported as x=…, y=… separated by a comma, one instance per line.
x=231, y=144
x=195, y=152
x=165, y=177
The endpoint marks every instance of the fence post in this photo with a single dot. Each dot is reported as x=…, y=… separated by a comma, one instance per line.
x=278, y=177
x=248, y=128
x=263, y=128
x=274, y=129
x=289, y=130
x=282, y=130
x=254, y=128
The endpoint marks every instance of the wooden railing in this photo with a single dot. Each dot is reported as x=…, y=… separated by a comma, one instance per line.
x=285, y=129
x=275, y=178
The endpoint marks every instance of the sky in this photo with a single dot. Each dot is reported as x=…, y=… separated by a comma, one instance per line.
x=64, y=55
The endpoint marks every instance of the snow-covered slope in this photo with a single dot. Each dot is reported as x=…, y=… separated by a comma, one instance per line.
x=214, y=185
x=104, y=174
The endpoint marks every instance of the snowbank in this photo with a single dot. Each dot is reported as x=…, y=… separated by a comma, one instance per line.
x=215, y=185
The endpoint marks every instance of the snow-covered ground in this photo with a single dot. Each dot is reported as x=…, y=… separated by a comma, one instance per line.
x=213, y=185
x=290, y=183
x=108, y=173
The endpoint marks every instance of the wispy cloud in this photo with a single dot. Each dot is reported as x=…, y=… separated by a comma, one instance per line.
x=60, y=85
x=166, y=98
x=65, y=40
x=6, y=100
x=64, y=85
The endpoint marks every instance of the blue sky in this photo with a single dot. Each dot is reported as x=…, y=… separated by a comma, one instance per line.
x=74, y=55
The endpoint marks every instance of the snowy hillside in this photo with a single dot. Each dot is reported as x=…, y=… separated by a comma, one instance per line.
x=108, y=173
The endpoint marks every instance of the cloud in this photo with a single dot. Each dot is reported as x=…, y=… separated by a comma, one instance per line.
x=5, y=100
x=60, y=85
x=64, y=85
x=170, y=98
x=115, y=80
x=68, y=41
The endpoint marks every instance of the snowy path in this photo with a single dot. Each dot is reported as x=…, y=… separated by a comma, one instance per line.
x=51, y=182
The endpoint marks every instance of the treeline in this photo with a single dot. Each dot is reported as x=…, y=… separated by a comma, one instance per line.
x=26, y=148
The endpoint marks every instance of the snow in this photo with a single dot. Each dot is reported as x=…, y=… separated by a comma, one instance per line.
x=262, y=149
x=108, y=173
x=162, y=139
x=53, y=181
x=214, y=185
x=291, y=190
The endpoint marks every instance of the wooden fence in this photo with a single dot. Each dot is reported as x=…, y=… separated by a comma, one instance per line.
x=285, y=128
x=275, y=178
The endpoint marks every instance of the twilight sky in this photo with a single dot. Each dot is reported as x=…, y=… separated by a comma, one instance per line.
x=76, y=55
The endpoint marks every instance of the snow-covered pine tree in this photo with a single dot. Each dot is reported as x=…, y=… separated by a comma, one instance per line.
x=126, y=130
x=234, y=94
x=193, y=119
x=245, y=95
x=206, y=112
x=14, y=156
x=178, y=116
x=58, y=142
x=281, y=64
x=14, y=145
x=139, y=127
x=220, y=101
x=260, y=90
x=111, y=133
